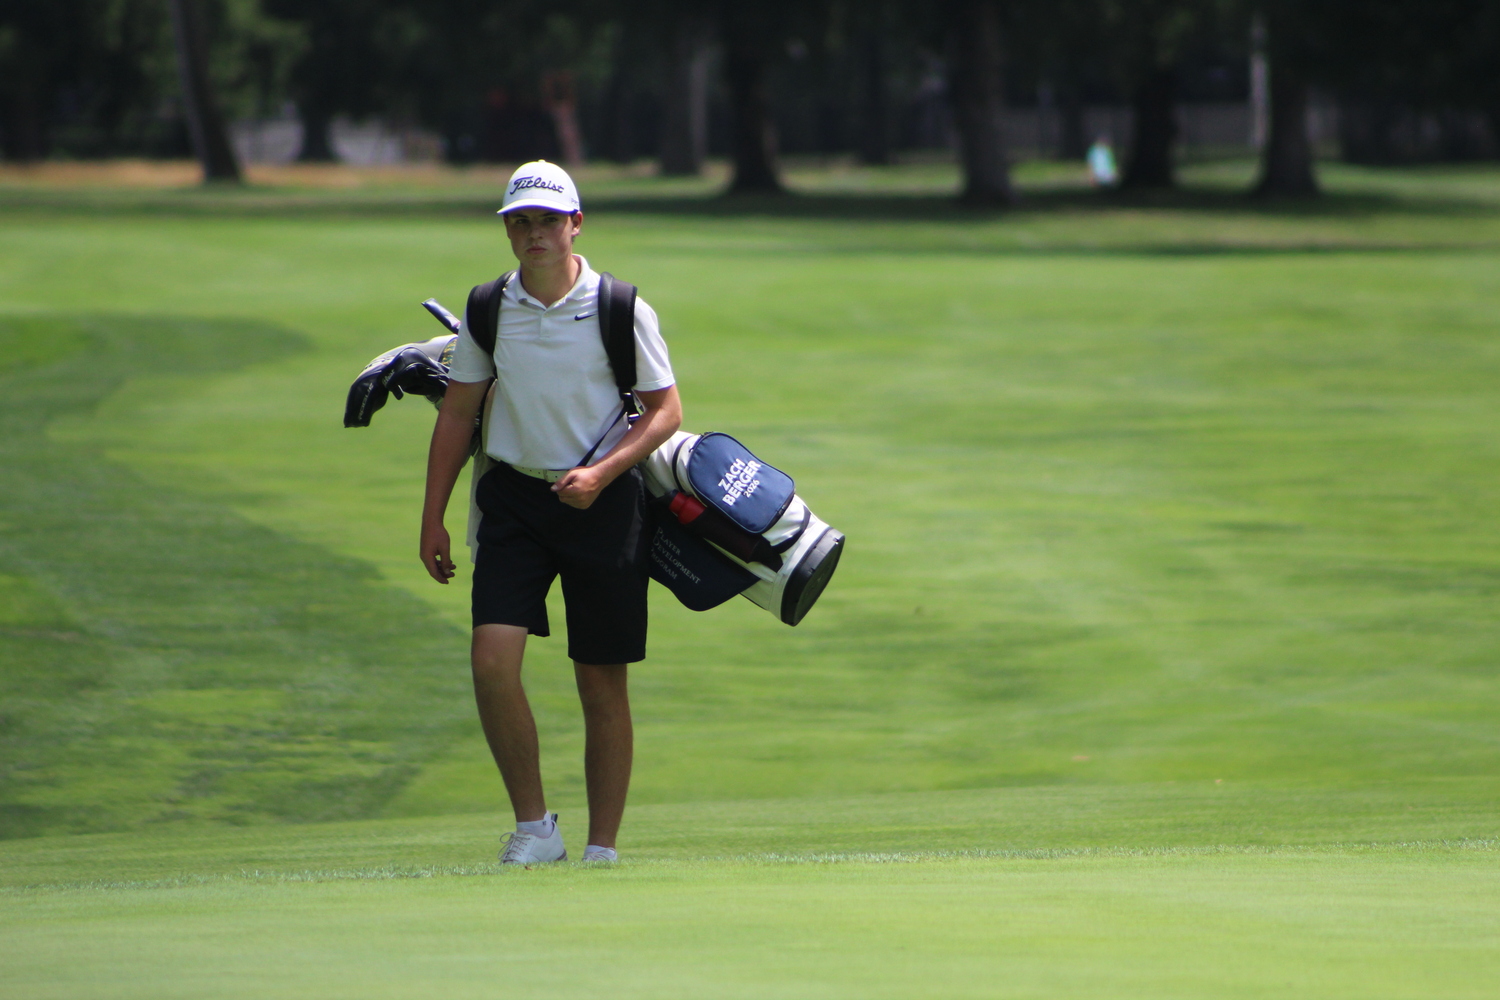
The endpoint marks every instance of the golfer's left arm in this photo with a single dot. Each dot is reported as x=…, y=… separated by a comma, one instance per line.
x=663, y=416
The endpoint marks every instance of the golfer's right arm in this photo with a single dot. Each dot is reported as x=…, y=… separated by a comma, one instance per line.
x=445, y=459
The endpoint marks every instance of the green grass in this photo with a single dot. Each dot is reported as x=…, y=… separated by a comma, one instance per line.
x=1287, y=923
x=848, y=899
x=165, y=657
x=1162, y=658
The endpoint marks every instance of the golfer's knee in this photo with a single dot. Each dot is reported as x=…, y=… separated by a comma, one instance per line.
x=496, y=653
x=602, y=687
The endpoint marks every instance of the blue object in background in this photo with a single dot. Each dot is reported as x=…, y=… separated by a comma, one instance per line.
x=1102, y=163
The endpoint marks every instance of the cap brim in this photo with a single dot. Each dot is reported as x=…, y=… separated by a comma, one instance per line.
x=538, y=203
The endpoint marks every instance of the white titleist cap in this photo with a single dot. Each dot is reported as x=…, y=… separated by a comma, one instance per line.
x=540, y=184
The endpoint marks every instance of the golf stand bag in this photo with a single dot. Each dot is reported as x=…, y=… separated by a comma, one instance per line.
x=723, y=522
x=714, y=489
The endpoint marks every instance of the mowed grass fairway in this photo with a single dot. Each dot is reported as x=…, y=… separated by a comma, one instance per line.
x=1162, y=661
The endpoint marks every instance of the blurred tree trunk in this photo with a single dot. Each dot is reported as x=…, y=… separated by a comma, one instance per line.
x=317, y=143
x=560, y=98
x=976, y=89
x=1073, y=144
x=874, y=100
x=1155, y=104
x=30, y=55
x=1287, y=161
x=684, y=143
x=205, y=122
x=21, y=124
x=616, y=138
x=753, y=134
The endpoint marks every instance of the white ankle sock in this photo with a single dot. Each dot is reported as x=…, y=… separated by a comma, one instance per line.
x=594, y=852
x=539, y=827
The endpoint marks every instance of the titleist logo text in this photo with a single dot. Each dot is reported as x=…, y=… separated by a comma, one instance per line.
x=527, y=183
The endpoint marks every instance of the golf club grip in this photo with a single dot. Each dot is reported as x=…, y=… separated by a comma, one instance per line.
x=443, y=316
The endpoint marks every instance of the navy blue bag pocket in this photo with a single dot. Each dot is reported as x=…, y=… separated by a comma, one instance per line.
x=696, y=574
x=725, y=475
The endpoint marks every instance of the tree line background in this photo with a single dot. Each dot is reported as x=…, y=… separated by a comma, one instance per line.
x=680, y=80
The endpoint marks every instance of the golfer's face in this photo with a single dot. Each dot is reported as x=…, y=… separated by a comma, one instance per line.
x=541, y=237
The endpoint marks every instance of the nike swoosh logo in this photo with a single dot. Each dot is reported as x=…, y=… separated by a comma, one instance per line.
x=584, y=316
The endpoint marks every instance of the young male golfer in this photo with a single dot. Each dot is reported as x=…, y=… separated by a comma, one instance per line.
x=545, y=513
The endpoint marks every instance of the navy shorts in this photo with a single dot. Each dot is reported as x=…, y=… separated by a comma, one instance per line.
x=528, y=537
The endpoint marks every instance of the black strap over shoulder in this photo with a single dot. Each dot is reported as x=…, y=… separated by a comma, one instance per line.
x=617, y=327
x=483, y=311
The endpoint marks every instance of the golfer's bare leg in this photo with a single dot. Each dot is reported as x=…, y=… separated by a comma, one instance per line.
x=609, y=746
x=505, y=715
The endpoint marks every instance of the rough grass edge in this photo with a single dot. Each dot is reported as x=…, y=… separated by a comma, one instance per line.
x=768, y=860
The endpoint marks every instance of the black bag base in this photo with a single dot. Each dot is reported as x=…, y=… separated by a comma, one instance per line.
x=806, y=583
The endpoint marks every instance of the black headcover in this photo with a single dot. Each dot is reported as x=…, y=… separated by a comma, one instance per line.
x=407, y=369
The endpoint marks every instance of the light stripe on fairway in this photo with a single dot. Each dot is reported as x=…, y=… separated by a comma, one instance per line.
x=1284, y=924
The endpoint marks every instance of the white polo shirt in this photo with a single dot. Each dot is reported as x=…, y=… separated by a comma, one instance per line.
x=555, y=394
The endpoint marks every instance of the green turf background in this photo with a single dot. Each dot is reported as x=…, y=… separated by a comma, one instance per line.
x=1171, y=531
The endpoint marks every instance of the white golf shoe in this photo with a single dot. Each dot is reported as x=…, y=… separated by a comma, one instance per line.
x=530, y=849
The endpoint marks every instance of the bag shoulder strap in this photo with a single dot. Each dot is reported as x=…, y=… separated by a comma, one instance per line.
x=483, y=311
x=617, y=327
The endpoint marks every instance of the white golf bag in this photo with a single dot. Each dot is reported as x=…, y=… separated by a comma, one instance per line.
x=750, y=513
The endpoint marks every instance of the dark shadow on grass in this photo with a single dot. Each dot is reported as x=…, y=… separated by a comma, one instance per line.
x=888, y=207
x=258, y=201
x=166, y=658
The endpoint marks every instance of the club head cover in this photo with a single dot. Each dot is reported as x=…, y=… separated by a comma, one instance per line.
x=408, y=368
x=366, y=395
x=412, y=371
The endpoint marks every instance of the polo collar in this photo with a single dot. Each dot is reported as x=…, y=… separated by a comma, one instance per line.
x=588, y=281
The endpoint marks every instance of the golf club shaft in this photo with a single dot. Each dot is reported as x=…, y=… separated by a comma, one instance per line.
x=443, y=316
